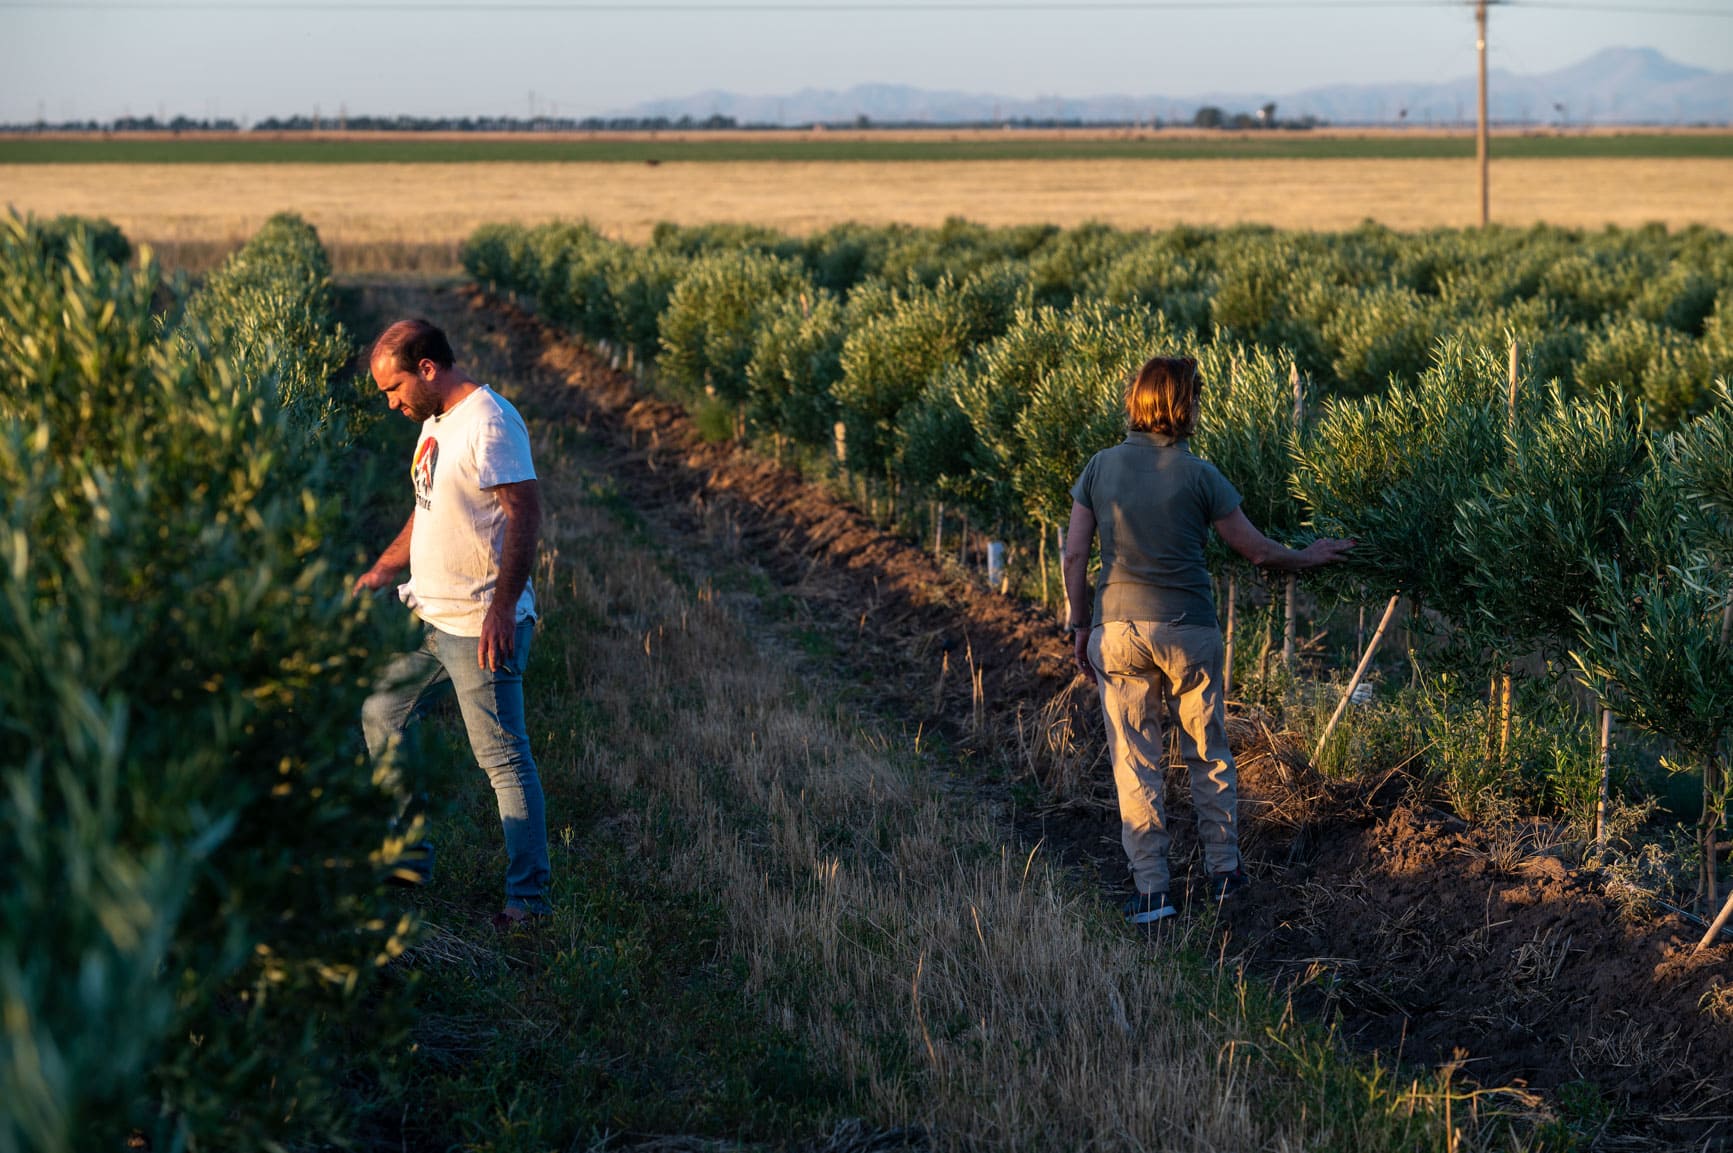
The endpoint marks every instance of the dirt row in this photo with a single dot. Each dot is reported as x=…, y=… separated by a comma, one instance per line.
x=1405, y=929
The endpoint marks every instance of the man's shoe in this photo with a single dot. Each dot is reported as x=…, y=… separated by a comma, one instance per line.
x=1147, y=908
x=512, y=919
x=1222, y=886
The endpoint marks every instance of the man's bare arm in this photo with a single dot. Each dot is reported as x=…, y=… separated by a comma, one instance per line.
x=391, y=562
x=522, y=503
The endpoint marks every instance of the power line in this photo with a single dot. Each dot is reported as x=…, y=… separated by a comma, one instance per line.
x=1636, y=9
x=793, y=7
x=726, y=6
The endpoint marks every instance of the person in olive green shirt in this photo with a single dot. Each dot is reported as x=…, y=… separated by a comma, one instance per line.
x=1152, y=637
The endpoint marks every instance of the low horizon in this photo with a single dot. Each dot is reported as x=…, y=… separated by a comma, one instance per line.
x=944, y=107
x=75, y=62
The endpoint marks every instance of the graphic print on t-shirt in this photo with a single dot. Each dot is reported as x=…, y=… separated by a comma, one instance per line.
x=426, y=460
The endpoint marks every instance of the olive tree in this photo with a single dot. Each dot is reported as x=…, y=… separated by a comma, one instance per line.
x=192, y=930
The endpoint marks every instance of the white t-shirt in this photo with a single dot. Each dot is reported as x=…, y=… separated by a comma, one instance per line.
x=454, y=551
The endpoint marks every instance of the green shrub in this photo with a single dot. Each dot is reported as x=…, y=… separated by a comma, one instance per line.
x=991, y=391
x=1663, y=366
x=268, y=310
x=1718, y=336
x=1275, y=293
x=1651, y=646
x=1381, y=335
x=1551, y=345
x=58, y=234
x=569, y=276
x=957, y=248
x=1651, y=643
x=938, y=447
x=1681, y=299
x=843, y=255
x=500, y=257
x=691, y=241
x=1388, y=470
x=1246, y=429
x=1702, y=453
x=1586, y=285
x=795, y=363
x=1158, y=274
x=641, y=282
x=1560, y=500
x=1062, y=269
x=898, y=342
x=107, y=242
x=1078, y=407
x=711, y=324
x=191, y=931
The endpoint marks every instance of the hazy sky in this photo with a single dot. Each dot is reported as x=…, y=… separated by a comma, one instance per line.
x=486, y=57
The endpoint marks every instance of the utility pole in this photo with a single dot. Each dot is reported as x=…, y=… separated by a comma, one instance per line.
x=1480, y=134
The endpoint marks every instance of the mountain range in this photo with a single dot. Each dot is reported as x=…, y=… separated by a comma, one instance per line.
x=1614, y=86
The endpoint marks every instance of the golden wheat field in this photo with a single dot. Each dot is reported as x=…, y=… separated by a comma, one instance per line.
x=438, y=204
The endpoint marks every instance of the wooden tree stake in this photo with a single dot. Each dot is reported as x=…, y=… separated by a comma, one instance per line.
x=1041, y=562
x=1720, y=923
x=1291, y=624
x=1506, y=686
x=1228, y=641
x=1507, y=679
x=1606, y=778
x=1515, y=365
x=1064, y=591
x=1359, y=675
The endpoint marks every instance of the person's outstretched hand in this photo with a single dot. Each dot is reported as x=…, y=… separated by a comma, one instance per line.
x=1326, y=550
x=372, y=581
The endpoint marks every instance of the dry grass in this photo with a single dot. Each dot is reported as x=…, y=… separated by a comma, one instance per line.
x=965, y=984
x=420, y=208
x=855, y=881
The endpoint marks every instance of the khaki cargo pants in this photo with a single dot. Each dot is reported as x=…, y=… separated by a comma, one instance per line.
x=1146, y=669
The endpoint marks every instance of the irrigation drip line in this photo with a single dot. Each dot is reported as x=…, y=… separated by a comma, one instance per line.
x=1688, y=915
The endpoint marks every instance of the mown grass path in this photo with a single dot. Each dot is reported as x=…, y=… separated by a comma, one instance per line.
x=782, y=918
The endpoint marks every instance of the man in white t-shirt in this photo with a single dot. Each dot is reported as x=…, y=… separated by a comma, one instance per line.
x=468, y=547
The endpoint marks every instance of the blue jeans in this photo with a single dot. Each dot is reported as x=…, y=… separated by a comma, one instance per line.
x=492, y=704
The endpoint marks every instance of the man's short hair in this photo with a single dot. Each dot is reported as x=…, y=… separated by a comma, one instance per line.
x=409, y=342
x=1163, y=397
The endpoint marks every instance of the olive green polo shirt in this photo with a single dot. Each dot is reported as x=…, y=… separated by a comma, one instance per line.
x=1154, y=503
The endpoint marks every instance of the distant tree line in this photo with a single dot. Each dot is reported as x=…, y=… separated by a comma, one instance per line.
x=1209, y=116
x=1206, y=117
x=129, y=124
x=315, y=123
